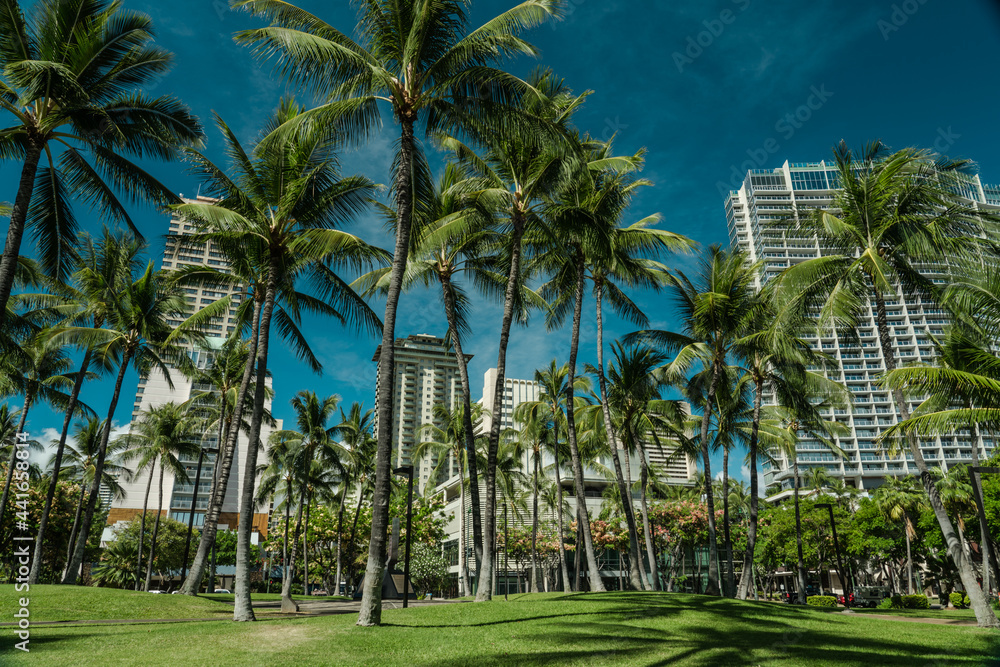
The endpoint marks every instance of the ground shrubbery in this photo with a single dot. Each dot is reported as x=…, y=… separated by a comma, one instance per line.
x=905, y=602
x=959, y=600
x=821, y=601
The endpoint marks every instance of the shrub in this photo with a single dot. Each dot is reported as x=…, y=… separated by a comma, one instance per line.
x=957, y=600
x=821, y=601
x=916, y=602
x=886, y=603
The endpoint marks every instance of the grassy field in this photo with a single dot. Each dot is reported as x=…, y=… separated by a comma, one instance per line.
x=71, y=603
x=547, y=629
x=949, y=614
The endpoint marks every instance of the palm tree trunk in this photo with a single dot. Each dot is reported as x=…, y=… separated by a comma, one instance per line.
x=636, y=580
x=567, y=584
x=36, y=561
x=354, y=533
x=535, y=572
x=596, y=585
x=340, y=534
x=286, y=569
x=142, y=525
x=76, y=522
x=463, y=560
x=730, y=574
x=745, y=582
x=578, y=552
x=13, y=454
x=305, y=551
x=984, y=613
x=713, y=545
x=243, y=609
x=156, y=530
x=223, y=467
x=485, y=593
x=798, y=531
x=371, y=598
x=18, y=217
x=909, y=564
x=470, y=436
x=984, y=530
x=95, y=486
x=654, y=574
x=286, y=586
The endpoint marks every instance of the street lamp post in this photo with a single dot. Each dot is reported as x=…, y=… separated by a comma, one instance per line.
x=989, y=558
x=194, y=500
x=840, y=563
x=407, y=470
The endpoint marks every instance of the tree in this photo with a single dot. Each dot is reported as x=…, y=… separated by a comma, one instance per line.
x=118, y=560
x=414, y=56
x=356, y=429
x=73, y=71
x=138, y=333
x=899, y=498
x=160, y=438
x=898, y=212
x=281, y=208
x=281, y=476
x=428, y=567
x=102, y=268
x=715, y=312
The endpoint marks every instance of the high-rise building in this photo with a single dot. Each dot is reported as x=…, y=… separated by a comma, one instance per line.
x=767, y=196
x=425, y=375
x=155, y=390
x=515, y=392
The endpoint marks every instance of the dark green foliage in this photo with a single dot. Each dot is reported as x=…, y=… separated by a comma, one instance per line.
x=821, y=601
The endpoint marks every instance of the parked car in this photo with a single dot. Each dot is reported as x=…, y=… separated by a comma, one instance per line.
x=870, y=596
x=222, y=590
x=155, y=591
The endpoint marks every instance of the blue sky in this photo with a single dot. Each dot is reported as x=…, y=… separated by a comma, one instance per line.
x=710, y=89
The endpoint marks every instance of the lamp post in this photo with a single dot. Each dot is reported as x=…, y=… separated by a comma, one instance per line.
x=408, y=471
x=194, y=500
x=840, y=563
x=989, y=558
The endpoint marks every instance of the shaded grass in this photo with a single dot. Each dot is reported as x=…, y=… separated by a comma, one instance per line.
x=71, y=603
x=270, y=597
x=950, y=614
x=544, y=629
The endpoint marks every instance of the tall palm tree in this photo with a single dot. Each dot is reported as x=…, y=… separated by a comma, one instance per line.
x=279, y=479
x=519, y=168
x=531, y=441
x=136, y=331
x=551, y=403
x=313, y=443
x=160, y=438
x=897, y=211
x=448, y=446
x=102, y=267
x=39, y=373
x=82, y=452
x=416, y=56
x=73, y=73
x=357, y=432
x=715, y=312
x=899, y=498
x=267, y=209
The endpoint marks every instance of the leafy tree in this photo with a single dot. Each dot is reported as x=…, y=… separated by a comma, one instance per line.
x=428, y=567
x=73, y=73
x=117, y=567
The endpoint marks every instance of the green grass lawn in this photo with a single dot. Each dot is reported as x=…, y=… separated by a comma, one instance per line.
x=950, y=614
x=546, y=629
x=270, y=597
x=71, y=603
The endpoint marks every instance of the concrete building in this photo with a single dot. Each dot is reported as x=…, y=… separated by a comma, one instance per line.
x=770, y=195
x=426, y=374
x=155, y=390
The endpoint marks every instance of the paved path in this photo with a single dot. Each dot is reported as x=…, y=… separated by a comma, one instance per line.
x=307, y=608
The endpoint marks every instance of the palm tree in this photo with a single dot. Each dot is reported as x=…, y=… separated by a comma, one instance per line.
x=801, y=417
x=448, y=446
x=73, y=71
x=268, y=211
x=530, y=440
x=82, y=452
x=551, y=402
x=715, y=312
x=414, y=56
x=900, y=498
x=897, y=211
x=39, y=373
x=160, y=438
x=138, y=333
x=102, y=267
x=356, y=430
x=313, y=444
x=280, y=476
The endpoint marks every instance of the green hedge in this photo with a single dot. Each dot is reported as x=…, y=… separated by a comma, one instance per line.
x=959, y=600
x=821, y=601
x=916, y=602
